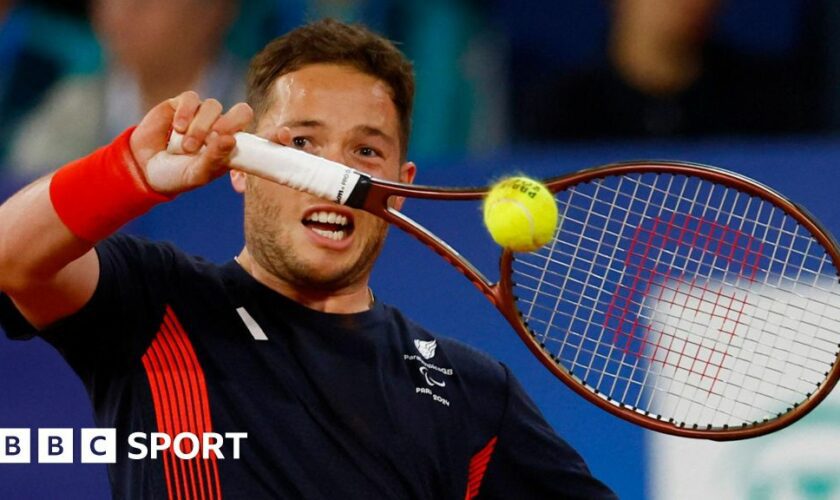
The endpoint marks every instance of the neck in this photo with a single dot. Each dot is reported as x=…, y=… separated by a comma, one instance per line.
x=352, y=299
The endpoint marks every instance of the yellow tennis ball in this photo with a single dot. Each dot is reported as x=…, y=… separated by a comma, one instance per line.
x=520, y=214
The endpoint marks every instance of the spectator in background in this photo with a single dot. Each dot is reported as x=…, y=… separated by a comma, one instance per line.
x=666, y=77
x=25, y=73
x=460, y=62
x=144, y=66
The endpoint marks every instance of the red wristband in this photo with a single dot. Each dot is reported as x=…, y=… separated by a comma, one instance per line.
x=95, y=195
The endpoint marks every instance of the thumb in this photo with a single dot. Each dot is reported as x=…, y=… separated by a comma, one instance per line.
x=152, y=134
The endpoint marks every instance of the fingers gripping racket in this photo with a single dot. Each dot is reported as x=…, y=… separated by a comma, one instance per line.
x=683, y=298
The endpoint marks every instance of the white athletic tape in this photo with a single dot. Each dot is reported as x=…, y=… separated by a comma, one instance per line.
x=288, y=166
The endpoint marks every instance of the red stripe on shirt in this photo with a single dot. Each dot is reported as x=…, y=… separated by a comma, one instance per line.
x=478, y=466
x=211, y=465
x=180, y=355
x=153, y=372
x=183, y=416
x=179, y=394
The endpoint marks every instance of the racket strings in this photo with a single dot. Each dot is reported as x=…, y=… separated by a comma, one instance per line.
x=666, y=391
x=804, y=364
x=571, y=294
x=685, y=299
x=782, y=234
x=688, y=343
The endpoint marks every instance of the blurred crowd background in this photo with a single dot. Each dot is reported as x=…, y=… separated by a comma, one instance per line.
x=491, y=74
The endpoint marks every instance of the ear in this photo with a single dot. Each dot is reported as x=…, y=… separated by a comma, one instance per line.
x=238, y=179
x=407, y=172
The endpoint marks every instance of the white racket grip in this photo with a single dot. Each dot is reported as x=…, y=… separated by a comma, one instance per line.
x=288, y=166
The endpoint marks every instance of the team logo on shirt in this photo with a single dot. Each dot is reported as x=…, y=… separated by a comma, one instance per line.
x=426, y=348
x=433, y=375
x=431, y=380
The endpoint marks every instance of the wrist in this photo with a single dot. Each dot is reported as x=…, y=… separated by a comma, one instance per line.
x=96, y=195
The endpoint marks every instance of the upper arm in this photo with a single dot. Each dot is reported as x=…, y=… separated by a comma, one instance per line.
x=114, y=324
x=45, y=302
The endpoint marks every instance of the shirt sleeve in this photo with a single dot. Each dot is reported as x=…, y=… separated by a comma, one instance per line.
x=531, y=461
x=117, y=324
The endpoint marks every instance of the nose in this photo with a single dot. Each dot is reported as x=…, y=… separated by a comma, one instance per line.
x=336, y=153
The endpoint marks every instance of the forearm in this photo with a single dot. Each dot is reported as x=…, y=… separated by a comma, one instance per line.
x=34, y=243
x=47, y=270
x=49, y=228
x=47, y=265
x=56, y=220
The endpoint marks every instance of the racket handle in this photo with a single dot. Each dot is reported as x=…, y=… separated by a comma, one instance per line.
x=291, y=167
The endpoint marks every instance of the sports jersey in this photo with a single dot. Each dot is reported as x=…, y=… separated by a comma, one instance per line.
x=366, y=405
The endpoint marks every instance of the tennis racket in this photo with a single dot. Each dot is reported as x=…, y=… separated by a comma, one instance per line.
x=683, y=298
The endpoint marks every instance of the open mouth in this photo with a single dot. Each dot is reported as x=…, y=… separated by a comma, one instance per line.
x=328, y=224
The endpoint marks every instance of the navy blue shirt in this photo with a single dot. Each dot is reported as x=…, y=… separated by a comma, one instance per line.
x=366, y=405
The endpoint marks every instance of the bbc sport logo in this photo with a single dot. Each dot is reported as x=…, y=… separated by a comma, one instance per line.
x=99, y=446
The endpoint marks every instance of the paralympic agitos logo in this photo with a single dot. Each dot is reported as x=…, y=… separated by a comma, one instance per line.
x=100, y=445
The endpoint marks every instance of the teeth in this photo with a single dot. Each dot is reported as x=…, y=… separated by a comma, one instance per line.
x=333, y=235
x=328, y=218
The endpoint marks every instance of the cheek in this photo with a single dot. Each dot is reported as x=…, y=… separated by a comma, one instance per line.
x=270, y=193
x=262, y=211
x=370, y=224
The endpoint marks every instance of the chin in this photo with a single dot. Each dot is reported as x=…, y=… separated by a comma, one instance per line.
x=320, y=276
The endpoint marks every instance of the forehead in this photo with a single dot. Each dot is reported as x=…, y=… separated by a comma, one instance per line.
x=337, y=95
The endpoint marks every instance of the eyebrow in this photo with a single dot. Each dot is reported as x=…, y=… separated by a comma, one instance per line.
x=304, y=123
x=363, y=129
x=369, y=130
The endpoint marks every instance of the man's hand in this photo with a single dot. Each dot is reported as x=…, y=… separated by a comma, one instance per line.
x=203, y=125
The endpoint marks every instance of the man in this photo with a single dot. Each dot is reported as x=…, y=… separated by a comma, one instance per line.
x=286, y=343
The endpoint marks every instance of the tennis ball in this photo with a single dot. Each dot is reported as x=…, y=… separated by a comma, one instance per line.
x=520, y=214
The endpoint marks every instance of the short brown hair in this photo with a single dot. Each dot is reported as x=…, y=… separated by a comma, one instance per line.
x=331, y=41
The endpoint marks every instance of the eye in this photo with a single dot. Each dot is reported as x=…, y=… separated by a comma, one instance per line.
x=368, y=152
x=300, y=142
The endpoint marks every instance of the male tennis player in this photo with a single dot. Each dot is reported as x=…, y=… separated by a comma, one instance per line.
x=339, y=395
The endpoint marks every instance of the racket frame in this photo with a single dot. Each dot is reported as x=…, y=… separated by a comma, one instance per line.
x=502, y=296
x=286, y=165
